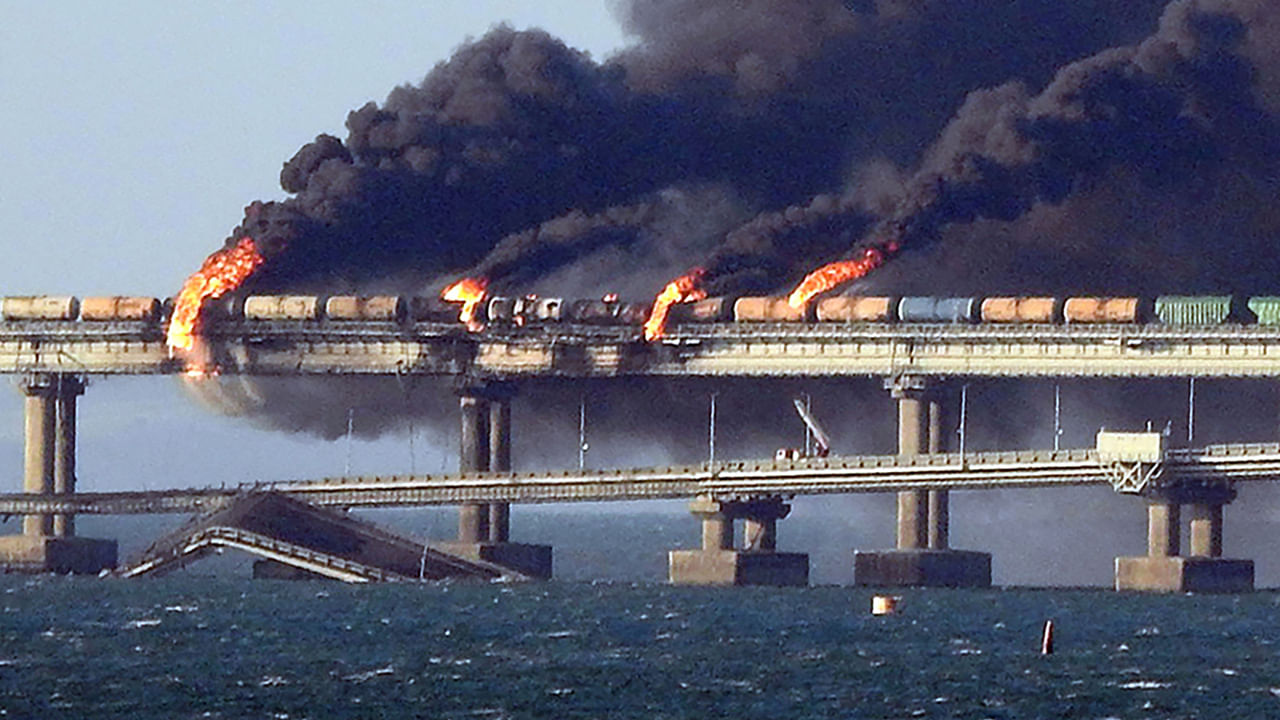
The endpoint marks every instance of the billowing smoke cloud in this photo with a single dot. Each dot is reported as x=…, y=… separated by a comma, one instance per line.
x=764, y=138
x=1095, y=146
x=1170, y=122
x=775, y=102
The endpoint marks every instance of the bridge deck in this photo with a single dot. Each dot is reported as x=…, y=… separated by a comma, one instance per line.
x=751, y=350
x=834, y=475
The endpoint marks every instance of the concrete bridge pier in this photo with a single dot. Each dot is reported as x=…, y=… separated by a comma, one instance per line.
x=473, y=518
x=719, y=562
x=923, y=556
x=48, y=543
x=484, y=529
x=1165, y=568
x=500, y=461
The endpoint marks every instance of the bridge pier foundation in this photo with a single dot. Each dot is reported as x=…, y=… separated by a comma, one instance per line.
x=1164, y=568
x=720, y=563
x=484, y=529
x=923, y=556
x=48, y=542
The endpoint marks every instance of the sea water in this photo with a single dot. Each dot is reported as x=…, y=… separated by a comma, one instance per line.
x=193, y=646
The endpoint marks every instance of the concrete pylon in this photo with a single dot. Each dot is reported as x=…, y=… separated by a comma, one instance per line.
x=1206, y=530
x=717, y=524
x=500, y=461
x=473, y=518
x=923, y=556
x=484, y=529
x=1164, y=568
x=718, y=562
x=38, y=448
x=760, y=524
x=913, y=439
x=939, y=515
x=48, y=542
x=1164, y=529
x=67, y=389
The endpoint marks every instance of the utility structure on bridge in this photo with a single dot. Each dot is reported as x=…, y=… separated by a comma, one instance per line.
x=1137, y=463
x=918, y=362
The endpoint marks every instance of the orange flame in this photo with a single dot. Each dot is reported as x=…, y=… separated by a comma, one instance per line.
x=683, y=289
x=837, y=273
x=470, y=292
x=221, y=273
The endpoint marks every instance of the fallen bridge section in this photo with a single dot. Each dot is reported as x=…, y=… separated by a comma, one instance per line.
x=294, y=539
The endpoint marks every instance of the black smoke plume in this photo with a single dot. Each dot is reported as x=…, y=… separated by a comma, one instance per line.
x=764, y=138
x=773, y=101
x=1012, y=146
x=1173, y=122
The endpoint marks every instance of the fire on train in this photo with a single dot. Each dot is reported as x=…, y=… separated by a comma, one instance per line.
x=1187, y=310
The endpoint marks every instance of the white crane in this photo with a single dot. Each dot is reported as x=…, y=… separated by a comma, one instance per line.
x=820, y=437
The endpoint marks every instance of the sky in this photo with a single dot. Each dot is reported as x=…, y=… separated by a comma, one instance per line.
x=138, y=131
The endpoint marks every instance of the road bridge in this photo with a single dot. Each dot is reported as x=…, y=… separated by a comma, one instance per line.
x=729, y=480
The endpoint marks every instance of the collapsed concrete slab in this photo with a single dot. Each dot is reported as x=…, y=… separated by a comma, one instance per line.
x=311, y=541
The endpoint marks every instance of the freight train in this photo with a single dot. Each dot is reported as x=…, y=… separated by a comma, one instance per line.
x=531, y=310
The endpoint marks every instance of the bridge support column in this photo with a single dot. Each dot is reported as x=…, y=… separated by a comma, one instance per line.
x=1206, y=530
x=67, y=390
x=38, y=449
x=720, y=563
x=939, y=514
x=1164, y=529
x=1165, y=569
x=473, y=518
x=48, y=542
x=484, y=529
x=923, y=556
x=500, y=461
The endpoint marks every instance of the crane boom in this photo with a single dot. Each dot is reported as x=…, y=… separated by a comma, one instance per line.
x=819, y=435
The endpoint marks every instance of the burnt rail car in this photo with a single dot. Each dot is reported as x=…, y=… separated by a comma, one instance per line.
x=532, y=310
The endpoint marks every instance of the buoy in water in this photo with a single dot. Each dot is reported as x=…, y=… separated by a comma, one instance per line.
x=1046, y=641
x=884, y=604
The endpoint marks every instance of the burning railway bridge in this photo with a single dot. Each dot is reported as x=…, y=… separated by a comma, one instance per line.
x=921, y=364
x=519, y=114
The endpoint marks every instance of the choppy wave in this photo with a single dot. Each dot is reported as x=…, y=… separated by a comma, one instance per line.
x=227, y=648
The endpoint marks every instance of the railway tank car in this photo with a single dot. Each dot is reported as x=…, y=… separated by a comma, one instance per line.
x=947, y=310
x=1105, y=310
x=119, y=308
x=768, y=309
x=350, y=308
x=857, y=309
x=283, y=307
x=40, y=307
x=707, y=310
x=593, y=312
x=1021, y=310
x=531, y=310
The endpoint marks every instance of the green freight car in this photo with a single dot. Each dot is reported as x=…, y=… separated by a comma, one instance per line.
x=1267, y=309
x=1194, y=309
